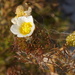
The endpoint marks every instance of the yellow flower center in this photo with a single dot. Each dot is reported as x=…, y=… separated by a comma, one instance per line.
x=25, y=28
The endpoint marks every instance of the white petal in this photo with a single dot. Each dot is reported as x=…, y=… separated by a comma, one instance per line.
x=20, y=35
x=21, y=20
x=14, y=20
x=30, y=19
x=26, y=35
x=14, y=29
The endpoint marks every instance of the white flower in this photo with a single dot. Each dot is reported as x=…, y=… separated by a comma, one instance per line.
x=45, y=59
x=22, y=26
x=20, y=11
